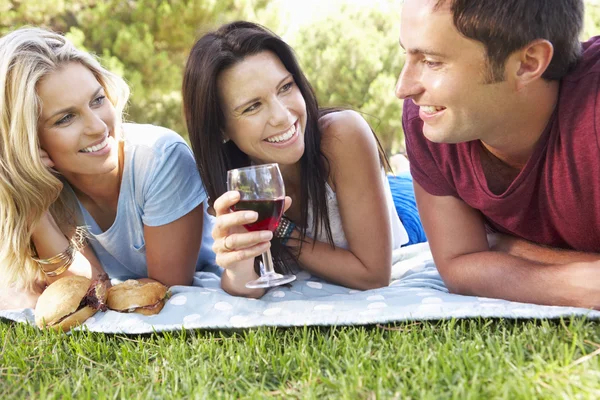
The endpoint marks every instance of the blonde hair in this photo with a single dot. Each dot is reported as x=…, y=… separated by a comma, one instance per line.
x=27, y=188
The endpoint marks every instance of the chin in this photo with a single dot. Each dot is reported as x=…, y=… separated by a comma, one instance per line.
x=442, y=136
x=293, y=158
x=282, y=157
x=107, y=168
x=299, y=150
x=435, y=136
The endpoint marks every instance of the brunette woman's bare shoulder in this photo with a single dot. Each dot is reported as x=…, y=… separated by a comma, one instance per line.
x=344, y=132
x=348, y=142
x=341, y=122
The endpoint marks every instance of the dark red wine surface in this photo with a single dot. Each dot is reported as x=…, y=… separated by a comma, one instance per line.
x=269, y=213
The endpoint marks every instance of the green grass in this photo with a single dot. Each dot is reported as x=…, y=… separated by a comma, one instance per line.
x=459, y=359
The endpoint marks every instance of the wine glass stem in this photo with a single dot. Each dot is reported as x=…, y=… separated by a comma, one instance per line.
x=268, y=262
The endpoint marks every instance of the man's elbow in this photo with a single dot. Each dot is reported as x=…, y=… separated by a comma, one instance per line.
x=454, y=283
x=457, y=289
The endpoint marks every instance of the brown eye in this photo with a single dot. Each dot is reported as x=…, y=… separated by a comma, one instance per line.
x=253, y=107
x=431, y=64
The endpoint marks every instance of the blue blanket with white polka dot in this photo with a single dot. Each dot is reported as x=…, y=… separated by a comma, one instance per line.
x=416, y=292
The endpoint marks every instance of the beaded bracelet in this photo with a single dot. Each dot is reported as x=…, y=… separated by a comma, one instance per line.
x=284, y=230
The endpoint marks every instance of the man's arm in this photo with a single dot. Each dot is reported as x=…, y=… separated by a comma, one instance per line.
x=535, y=252
x=460, y=249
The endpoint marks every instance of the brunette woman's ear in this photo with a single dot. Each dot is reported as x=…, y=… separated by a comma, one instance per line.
x=224, y=136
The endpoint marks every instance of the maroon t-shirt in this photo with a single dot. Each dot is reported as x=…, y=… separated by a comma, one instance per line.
x=555, y=199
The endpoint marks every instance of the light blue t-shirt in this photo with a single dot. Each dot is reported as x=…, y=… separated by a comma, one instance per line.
x=160, y=184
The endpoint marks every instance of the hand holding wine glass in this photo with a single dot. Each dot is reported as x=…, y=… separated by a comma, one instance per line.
x=246, y=217
x=233, y=243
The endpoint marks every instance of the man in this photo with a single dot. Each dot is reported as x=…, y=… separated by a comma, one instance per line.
x=500, y=119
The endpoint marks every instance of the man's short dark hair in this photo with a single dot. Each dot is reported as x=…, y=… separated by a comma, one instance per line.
x=505, y=26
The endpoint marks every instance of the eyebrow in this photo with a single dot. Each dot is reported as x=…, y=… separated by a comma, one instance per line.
x=424, y=51
x=246, y=103
x=70, y=109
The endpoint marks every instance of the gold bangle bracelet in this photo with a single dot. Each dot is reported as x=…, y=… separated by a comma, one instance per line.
x=76, y=243
x=57, y=258
x=58, y=271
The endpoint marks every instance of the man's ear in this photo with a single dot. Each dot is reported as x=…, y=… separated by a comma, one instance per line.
x=530, y=62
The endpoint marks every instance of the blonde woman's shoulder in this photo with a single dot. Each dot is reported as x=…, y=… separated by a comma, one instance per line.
x=150, y=136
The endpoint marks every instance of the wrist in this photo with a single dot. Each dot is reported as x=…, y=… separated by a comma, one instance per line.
x=243, y=270
x=580, y=284
x=284, y=230
x=59, y=262
x=234, y=281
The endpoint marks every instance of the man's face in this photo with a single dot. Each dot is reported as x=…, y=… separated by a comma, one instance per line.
x=445, y=75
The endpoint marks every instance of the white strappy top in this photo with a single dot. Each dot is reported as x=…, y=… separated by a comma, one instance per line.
x=399, y=234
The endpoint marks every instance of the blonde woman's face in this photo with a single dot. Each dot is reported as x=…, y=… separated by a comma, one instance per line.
x=77, y=124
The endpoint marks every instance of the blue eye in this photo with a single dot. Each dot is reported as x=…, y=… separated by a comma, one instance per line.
x=99, y=100
x=67, y=118
x=287, y=86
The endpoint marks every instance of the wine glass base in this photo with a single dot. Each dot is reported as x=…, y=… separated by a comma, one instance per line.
x=270, y=280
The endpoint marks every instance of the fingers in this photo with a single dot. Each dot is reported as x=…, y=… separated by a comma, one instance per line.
x=240, y=241
x=46, y=159
x=229, y=258
x=232, y=222
x=227, y=200
x=146, y=280
x=241, y=246
x=232, y=242
x=288, y=203
x=226, y=219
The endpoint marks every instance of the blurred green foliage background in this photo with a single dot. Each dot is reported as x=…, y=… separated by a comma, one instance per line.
x=348, y=48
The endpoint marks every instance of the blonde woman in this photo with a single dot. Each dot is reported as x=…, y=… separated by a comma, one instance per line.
x=68, y=161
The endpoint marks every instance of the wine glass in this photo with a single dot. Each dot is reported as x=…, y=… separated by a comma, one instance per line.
x=262, y=190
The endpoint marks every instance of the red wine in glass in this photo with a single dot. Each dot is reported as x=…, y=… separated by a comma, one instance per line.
x=269, y=213
x=261, y=189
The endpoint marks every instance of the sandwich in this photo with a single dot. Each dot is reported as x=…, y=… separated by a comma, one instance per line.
x=69, y=301
x=144, y=297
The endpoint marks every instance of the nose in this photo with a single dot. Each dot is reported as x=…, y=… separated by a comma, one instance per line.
x=280, y=114
x=94, y=123
x=409, y=82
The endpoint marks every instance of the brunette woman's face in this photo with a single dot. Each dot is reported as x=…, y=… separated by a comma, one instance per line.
x=265, y=113
x=77, y=123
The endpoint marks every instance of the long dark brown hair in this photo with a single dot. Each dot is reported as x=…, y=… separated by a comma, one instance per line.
x=214, y=53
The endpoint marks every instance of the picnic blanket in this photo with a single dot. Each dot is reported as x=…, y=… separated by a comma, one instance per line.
x=416, y=292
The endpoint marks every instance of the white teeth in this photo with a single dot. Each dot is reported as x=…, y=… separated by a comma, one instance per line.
x=97, y=147
x=431, y=109
x=284, y=136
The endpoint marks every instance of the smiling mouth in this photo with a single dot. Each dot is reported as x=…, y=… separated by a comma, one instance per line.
x=287, y=135
x=97, y=147
x=432, y=109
